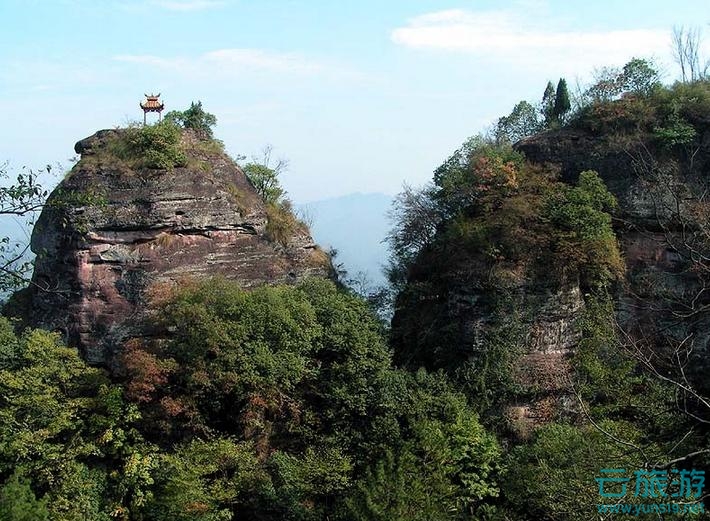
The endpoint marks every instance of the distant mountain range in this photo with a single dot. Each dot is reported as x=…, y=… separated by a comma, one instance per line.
x=355, y=225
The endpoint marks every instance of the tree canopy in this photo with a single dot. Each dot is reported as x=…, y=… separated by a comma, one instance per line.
x=194, y=118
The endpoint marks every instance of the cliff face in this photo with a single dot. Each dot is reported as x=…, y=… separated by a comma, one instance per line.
x=457, y=308
x=660, y=224
x=513, y=337
x=111, y=231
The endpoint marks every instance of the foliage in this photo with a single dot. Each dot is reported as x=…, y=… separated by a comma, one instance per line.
x=562, y=102
x=681, y=113
x=246, y=349
x=626, y=105
x=639, y=77
x=460, y=457
x=194, y=118
x=395, y=489
x=25, y=196
x=478, y=171
x=602, y=372
x=541, y=484
x=675, y=132
x=606, y=87
x=66, y=201
x=265, y=182
x=59, y=418
x=279, y=367
x=292, y=389
x=510, y=235
x=154, y=146
x=263, y=173
x=19, y=503
x=548, y=104
x=281, y=223
x=202, y=480
x=581, y=214
x=22, y=199
x=415, y=217
x=523, y=121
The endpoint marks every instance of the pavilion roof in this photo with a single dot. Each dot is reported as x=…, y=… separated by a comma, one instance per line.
x=152, y=103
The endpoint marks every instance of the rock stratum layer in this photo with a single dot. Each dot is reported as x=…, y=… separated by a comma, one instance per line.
x=109, y=233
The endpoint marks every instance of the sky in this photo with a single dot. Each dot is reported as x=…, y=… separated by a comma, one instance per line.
x=359, y=96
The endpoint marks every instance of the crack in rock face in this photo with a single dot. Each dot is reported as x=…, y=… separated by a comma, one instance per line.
x=110, y=232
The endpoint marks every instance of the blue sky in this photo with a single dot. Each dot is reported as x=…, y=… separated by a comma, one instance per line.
x=360, y=96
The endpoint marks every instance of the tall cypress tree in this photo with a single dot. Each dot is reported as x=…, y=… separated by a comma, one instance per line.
x=548, y=103
x=562, y=102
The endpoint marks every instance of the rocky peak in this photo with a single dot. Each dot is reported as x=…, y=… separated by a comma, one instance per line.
x=114, y=228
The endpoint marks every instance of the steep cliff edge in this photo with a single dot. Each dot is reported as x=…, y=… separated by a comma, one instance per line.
x=114, y=228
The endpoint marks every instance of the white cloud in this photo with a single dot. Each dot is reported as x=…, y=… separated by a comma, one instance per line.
x=188, y=5
x=514, y=36
x=241, y=61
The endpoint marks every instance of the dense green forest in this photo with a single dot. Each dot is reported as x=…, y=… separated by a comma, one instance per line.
x=302, y=402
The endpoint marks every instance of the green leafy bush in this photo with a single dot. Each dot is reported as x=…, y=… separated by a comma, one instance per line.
x=440, y=433
x=586, y=239
x=154, y=146
x=201, y=480
x=476, y=173
x=542, y=484
x=676, y=132
x=19, y=503
x=265, y=181
x=63, y=425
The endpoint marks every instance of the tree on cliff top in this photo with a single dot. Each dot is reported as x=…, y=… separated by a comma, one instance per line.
x=194, y=118
x=548, y=103
x=523, y=121
x=562, y=101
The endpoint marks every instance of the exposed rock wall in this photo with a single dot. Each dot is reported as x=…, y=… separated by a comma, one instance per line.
x=110, y=233
x=661, y=226
x=528, y=325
